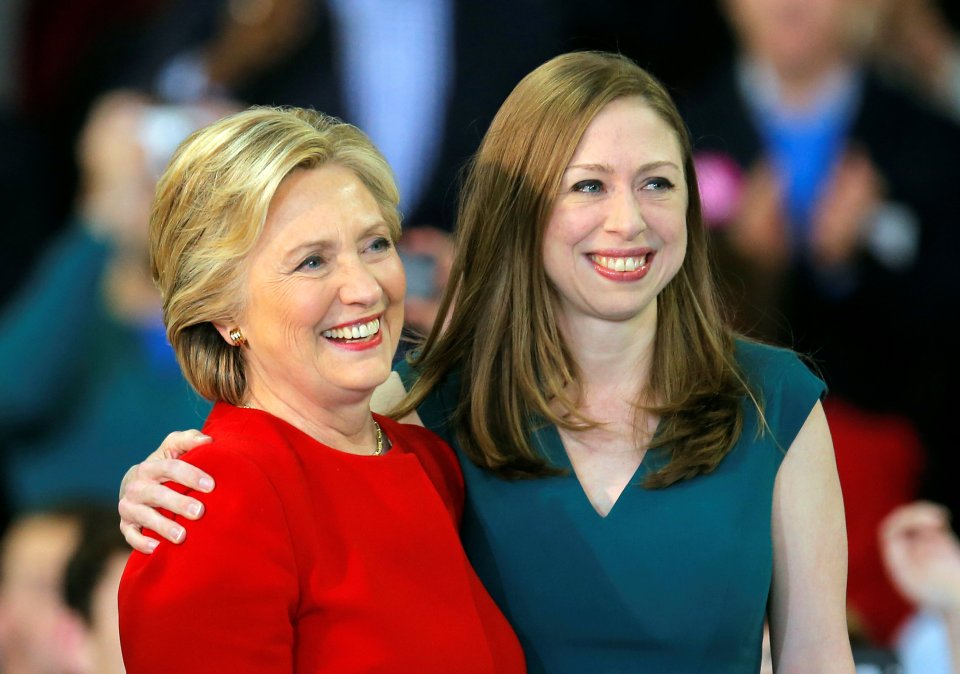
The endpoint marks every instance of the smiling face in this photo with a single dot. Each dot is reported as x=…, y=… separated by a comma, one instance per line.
x=617, y=232
x=324, y=293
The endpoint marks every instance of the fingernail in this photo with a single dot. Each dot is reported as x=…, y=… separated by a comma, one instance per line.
x=194, y=509
x=177, y=533
x=152, y=544
x=206, y=484
x=203, y=436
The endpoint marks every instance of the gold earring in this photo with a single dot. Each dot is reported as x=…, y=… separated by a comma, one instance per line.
x=237, y=337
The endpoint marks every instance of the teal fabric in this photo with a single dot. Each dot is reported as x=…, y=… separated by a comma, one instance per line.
x=672, y=580
x=82, y=396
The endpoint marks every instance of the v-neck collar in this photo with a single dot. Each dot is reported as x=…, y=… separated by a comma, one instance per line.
x=548, y=440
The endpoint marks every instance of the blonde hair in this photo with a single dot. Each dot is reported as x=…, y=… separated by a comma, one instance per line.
x=501, y=329
x=210, y=208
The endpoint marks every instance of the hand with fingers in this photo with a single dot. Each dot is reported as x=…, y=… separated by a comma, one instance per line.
x=842, y=215
x=759, y=232
x=922, y=556
x=143, y=490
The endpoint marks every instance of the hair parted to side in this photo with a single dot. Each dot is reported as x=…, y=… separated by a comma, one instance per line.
x=501, y=331
x=209, y=211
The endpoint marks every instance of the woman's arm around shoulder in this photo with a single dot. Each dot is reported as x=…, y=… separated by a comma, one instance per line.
x=225, y=599
x=147, y=485
x=807, y=611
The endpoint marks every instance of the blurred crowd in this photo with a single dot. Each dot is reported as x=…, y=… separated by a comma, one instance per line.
x=826, y=131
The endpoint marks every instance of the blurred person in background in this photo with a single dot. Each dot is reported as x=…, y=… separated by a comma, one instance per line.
x=832, y=197
x=56, y=58
x=422, y=77
x=12, y=177
x=87, y=369
x=38, y=635
x=922, y=556
x=91, y=581
x=916, y=42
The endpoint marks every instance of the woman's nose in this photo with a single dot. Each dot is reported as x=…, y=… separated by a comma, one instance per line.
x=358, y=285
x=626, y=216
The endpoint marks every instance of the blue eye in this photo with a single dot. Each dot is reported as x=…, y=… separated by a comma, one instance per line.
x=311, y=263
x=380, y=244
x=658, y=184
x=588, y=186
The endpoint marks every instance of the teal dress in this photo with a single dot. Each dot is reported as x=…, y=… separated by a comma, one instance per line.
x=671, y=580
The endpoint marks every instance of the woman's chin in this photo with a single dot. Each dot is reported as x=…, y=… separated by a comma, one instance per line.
x=362, y=379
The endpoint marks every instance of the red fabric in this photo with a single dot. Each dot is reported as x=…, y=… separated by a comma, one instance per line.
x=313, y=560
x=879, y=460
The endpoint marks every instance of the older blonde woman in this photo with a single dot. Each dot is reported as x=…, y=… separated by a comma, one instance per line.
x=273, y=246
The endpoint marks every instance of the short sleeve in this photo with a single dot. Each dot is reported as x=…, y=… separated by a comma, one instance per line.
x=787, y=388
x=223, y=600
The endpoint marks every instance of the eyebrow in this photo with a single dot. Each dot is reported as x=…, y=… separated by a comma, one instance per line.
x=321, y=245
x=324, y=245
x=605, y=168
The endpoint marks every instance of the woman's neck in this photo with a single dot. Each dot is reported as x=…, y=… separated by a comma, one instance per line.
x=614, y=357
x=344, y=424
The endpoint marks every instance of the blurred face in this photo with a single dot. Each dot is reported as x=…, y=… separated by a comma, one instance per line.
x=32, y=612
x=324, y=292
x=617, y=233
x=793, y=34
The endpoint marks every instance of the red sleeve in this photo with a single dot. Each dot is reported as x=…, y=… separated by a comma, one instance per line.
x=224, y=600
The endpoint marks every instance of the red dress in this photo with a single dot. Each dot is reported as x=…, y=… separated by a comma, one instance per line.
x=309, y=559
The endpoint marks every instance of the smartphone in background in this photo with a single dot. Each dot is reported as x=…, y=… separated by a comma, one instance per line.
x=420, y=270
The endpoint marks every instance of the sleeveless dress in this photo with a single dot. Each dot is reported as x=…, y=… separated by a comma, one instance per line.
x=671, y=580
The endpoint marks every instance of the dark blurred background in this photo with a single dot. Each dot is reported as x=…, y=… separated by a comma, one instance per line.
x=826, y=137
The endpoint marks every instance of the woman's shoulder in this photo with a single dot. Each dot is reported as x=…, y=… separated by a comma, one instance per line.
x=782, y=383
x=242, y=559
x=246, y=448
x=751, y=353
x=768, y=366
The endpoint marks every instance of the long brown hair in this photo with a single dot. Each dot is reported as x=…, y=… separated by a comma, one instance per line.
x=498, y=326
